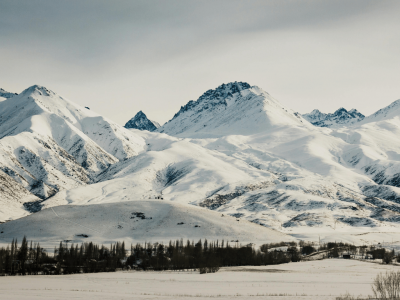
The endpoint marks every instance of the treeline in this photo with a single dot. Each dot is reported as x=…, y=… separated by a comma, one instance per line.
x=32, y=259
x=204, y=256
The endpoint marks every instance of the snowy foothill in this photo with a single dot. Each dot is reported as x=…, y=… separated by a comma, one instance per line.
x=313, y=280
x=135, y=222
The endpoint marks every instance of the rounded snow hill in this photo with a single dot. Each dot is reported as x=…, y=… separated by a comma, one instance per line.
x=135, y=221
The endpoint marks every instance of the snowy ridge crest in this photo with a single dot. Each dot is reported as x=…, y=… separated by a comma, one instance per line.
x=38, y=89
x=392, y=110
x=5, y=94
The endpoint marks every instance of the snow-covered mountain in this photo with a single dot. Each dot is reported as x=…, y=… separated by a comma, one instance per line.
x=6, y=95
x=289, y=175
x=141, y=122
x=233, y=108
x=339, y=117
x=236, y=150
x=48, y=143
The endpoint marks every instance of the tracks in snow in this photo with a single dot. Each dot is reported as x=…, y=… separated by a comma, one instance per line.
x=73, y=222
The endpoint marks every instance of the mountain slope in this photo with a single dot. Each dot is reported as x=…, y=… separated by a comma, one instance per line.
x=257, y=178
x=13, y=197
x=374, y=146
x=392, y=111
x=48, y=143
x=171, y=168
x=141, y=122
x=339, y=117
x=233, y=108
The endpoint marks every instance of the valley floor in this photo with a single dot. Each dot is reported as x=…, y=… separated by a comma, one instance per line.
x=324, y=279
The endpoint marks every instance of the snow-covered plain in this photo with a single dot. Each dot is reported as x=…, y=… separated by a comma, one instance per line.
x=316, y=280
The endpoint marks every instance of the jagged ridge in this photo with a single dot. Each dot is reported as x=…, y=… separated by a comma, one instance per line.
x=339, y=117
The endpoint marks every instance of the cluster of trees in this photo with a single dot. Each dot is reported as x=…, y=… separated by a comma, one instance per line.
x=26, y=259
x=89, y=258
x=204, y=256
x=338, y=249
x=381, y=253
x=33, y=259
x=335, y=249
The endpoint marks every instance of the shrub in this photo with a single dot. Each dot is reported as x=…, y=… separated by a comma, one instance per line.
x=387, y=286
x=388, y=257
x=308, y=249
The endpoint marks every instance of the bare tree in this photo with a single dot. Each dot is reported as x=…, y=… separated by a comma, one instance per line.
x=387, y=286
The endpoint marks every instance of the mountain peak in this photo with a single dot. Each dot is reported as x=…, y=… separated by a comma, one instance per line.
x=340, y=110
x=216, y=96
x=225, y=90
x=140, y=114
x=141, y=122
x=38, y=89
x=232, y=108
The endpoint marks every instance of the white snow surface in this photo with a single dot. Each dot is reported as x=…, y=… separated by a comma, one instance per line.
x=162, y=221
x=312, y=280
x=235, y=150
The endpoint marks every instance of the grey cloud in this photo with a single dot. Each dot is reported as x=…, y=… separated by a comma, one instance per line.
x=86, y=29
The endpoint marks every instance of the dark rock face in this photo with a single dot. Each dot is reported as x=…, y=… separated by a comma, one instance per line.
x=141, y=122
x=216, y=96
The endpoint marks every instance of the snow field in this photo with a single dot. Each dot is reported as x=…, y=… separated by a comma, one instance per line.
x=316, y=280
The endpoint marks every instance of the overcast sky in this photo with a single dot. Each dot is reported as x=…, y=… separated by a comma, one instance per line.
x=119, y=57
